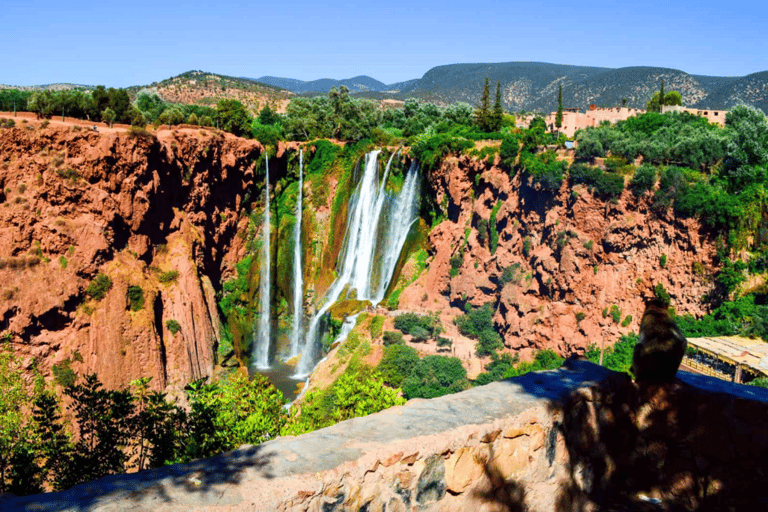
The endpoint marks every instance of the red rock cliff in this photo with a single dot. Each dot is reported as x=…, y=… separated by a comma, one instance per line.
x=585, y=255
x=76, y=203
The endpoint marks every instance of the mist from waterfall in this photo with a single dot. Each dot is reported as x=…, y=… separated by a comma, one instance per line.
x=378, y=223
x=264, y=334
x=298, y=280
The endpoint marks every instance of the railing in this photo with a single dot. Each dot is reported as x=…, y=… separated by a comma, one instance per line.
x=706, y=369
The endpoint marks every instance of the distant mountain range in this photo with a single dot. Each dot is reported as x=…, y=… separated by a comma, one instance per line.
x=526, y=86
x=533, y=86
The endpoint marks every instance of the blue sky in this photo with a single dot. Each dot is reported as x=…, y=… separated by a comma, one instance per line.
x=132, y=43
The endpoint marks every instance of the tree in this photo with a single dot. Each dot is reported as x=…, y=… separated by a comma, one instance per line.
x=55, y=446
x=108, y=116
x=559, y=115
x=233, y=117
x=673, y=98
x=267, y=116
x=482, y=111
x=435, y=376
x=104, y=418
x=15, y=398
x=498, y=112
x=397, y=363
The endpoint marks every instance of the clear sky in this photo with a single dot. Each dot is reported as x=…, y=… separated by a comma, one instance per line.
x=132, y=43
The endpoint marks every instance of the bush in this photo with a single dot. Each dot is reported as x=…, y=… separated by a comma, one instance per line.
x=615, y=313
x=512, y=274
x=397, y=363
x=171, y=276
x=599, y=182
x=173, y=326
x=661, y=293
x=393, y=338
x=663, y=261
x=627, y=320
x=478, y=324
x=135, y=297
x=99, y=287
x=420, y=327
x=435, y=376
x=377, y=324
x=545, y=169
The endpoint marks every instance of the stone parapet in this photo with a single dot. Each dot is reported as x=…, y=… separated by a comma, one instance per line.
x=569, y=439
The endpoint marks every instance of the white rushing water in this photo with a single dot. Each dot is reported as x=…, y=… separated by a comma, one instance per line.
x=298, y=280
x=263, y=335
x=378, y=223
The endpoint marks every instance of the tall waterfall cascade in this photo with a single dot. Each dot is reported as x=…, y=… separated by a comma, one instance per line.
x=378, y=223
x=298, y=281
x=264, y=332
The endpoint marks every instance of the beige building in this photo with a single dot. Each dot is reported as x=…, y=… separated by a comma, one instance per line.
x=713, y=116
x=574, y=120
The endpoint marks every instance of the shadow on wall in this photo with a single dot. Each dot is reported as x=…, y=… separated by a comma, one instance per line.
x=662, y=447
x=192, y=483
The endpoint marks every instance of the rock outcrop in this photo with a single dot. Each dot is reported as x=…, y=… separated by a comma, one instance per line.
x=571, y=259
x=160, y=212
x=578, y=438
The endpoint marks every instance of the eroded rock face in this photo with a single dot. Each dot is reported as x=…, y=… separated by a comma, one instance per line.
x=78, y=203
x=569, y=257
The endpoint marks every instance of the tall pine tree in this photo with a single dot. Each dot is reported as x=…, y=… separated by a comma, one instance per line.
x=483, y=111
x=498, y=111
x=559, y=115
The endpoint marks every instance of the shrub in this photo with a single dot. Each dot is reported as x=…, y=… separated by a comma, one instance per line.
x=615, y=313
x=393, y=338
x=661, y=293
x=420, y=327
x=397, y=363
x=580, y=316
x=139, y=132
x=478, y=324
x=512, y=274
x=435, y=376
x=643, y=180
x=526, y=246
x=492, y=225
x=663, y=261
x=482, y=231
x=601, y=183
x=171, y=276
x=135, y=297
x=627, y=320
x=99, y=287
x=377, y=324
x=173, y=326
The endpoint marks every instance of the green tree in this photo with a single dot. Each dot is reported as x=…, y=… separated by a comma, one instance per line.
x=397, y=363
x=483, y=110
x=232, y=116
x=108, y=116
x=157, y=427
x=15, y=399
x=559, y=115
x=497, y=115
x=104, y=419
x=226, y=414
x=477, y=323
x=435, y=376
x=673, y=98
x=55, y=445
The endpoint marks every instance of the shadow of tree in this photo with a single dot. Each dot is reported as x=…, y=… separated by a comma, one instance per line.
x=198, y=483
x=663, y=447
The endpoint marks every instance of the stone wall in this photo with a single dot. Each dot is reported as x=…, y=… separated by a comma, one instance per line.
x=579, y=438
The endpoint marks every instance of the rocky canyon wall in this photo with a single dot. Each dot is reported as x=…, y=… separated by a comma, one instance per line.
x=157, y=212
x=573, y=261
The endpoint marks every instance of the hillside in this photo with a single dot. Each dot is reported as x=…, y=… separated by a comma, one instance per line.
x=356, y=84
x=202, y=88
x=534, y=86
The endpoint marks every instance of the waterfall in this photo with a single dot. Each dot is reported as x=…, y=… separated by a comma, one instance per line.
x=265, y=313
x=298, y=281
x=378, y=223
